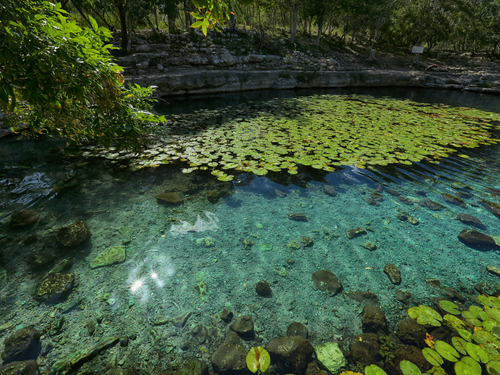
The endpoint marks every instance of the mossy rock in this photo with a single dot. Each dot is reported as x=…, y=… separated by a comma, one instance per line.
x=112, y=255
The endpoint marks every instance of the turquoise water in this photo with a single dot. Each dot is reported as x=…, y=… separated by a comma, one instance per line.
x=171, y=250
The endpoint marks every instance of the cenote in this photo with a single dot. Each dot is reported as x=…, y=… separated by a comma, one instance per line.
x=163, y=251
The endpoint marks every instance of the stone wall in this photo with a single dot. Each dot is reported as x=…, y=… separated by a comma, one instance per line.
x=215, y=81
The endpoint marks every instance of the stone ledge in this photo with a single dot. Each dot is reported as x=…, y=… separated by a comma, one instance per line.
x=218, y=81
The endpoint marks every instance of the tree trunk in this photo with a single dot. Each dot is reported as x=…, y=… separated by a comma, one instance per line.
x=171, y=24
x=320, y=29
x=294, y=25
x=123, y=25
x=187, y=16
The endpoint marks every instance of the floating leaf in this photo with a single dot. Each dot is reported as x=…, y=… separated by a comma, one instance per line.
x=446, y=351
x=258, y=359
x=467, y=367
x=425, y=315
x=449, y=307
x=466, y=335
x=459, y=344
x=409, y=368
x=432, y=357
x=374, y=370
x=454, y=321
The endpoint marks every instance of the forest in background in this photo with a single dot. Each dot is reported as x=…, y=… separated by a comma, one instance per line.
x=461, y=25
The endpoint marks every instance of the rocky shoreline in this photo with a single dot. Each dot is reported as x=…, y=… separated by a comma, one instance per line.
x=219, y=81
x=191, y=64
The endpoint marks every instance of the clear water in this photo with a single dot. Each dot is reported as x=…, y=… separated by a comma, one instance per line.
x=165, y=263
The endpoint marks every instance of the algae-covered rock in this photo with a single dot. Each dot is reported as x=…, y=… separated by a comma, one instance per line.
x=330, y=356
x=112, y=255
x=54, y=286
x=290, y=354
x=169, y=198
x=356, y=232
x=477, y=240
x=24, y=218
x=74, y=234
x=329, y=190
x=326, y=281
x=77, y=359
x=127, y=234
x=29, y=367
x=471, y=220
x=297, y=217
x=393, y=273
x=230, y=357
x=22, y=345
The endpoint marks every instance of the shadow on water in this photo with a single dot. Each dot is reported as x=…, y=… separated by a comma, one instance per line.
x=191, y=103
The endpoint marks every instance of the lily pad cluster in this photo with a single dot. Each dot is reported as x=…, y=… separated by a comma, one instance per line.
x=321, y=131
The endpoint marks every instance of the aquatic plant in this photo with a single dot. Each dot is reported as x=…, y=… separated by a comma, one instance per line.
x=258, y=359
x=318, y=131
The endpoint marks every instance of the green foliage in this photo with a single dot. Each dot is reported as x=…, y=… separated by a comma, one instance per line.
x=425, y=315
x=449, y=306
x=409, y=368
x=60, y=79
x=374, y=370
x=479, y=341
x=258, y=359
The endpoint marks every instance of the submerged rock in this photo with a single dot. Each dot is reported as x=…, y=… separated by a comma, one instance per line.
x=492, y=207
x=365, y=349
x=409, y=353
x=411, y=333
x=170, y=198
x=24, y=218
x=403, y=296
x=493, y=269
x=393, y=273
x=54, y=286
x=74, y=234
x=263, y=289
x=230, y=357
x=243, y=326
x=22, y=345
x=78, y=358
x=393, y=192
x=449, y=198
x=373, y=320
x=307, y=241
x=372, y=202
x=356, y=232
x=477, y=240
x=329, y=190
x=405, y=200
x=29, y=367
x=112, y=255
x=433, y=206
x=363, y=297
x=193, y=367
x=326, y=281
x=369, y=246
x=297, y=217
x=290, y=354
x=297, y=329
x=330, y=356
x=471, y=220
